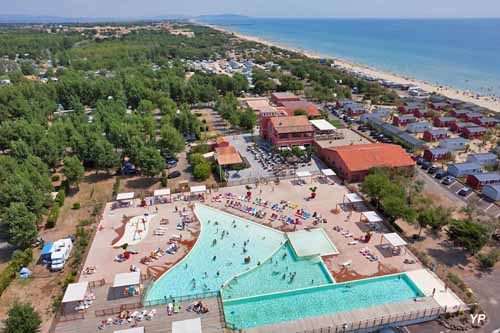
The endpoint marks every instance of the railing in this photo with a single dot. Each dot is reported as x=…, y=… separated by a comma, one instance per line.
x=255, y=180
x=60, y=317
x=384, y=320
x=117, y=309
x=166, y=300
x=98, y=283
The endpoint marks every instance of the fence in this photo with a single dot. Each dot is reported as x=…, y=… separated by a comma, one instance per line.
x=255, y=180
x=166, y=300
x=97, y=283
x=60, y=317
x=117, y=309
x=380, y=322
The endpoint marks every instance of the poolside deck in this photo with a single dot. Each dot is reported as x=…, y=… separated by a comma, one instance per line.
x=162, y=323
x=355, y=319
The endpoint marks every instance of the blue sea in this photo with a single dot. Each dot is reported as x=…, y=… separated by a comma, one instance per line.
x=461, y=53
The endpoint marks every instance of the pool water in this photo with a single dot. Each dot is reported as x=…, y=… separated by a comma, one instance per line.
x=275, y=274
x=317, y=301
x=208, y=265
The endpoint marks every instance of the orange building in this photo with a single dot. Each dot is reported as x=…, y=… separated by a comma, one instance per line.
x=353, y=162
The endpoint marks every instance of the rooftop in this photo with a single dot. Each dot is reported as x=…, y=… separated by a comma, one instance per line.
x=284, y=95
x=488, y=176
x=291, y=124
x=484, y=156
x=228, y=155
x=291, y=107
x=367, y=156
x=323, y=125
x=465, y=166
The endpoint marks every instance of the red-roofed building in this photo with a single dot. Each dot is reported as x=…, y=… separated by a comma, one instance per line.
x=290, y=131
x=291, y=107
x=435, y=135
x=487, y=121
x=444, y=121
x=474, y=132
x=281, y=97
x=422, y=113
x=402, y=120
x=353, y=162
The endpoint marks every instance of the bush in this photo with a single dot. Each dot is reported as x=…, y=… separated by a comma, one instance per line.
x=195, y=159
x=116, y=186
x=22, y=318
x=76, y=205
x=218, y=173
x=488, y=260
x=53, y=215
x=202, y=171
x=60, y=197
x=164, y=179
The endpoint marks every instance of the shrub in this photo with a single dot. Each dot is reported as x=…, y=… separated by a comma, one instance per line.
x=22, y=318
x=76, y=205
x=53, y=215
x=164, y=178
x=116, y=186
x=488, y=260
x=202, y=171
x=60, y=197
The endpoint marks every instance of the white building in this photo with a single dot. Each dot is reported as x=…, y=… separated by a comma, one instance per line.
x=492, y=192
x=484, y=159
x=419, y=127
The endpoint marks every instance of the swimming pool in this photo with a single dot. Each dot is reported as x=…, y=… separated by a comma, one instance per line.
x=317, y=301
x=275, y=275
x=215, y=258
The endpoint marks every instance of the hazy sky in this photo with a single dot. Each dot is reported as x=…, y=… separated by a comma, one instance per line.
x=267, y=8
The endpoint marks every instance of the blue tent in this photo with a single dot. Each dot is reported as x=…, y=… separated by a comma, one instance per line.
x=24, y=273
x=46, y=251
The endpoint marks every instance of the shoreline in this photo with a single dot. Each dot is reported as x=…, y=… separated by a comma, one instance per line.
x=489, y=102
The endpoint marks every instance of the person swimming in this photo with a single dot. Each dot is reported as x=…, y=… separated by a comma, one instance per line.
x=283, y=276
x=214, y=242
x=215, y=257
x=234, y=244
x=217, y=274
x=206, y=275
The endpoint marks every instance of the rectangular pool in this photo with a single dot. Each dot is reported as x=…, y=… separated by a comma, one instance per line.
x=317, y=301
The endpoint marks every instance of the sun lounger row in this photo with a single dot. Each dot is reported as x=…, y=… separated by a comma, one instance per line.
x=368, y=254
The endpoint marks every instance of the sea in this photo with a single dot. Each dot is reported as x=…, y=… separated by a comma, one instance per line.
x=460, y=53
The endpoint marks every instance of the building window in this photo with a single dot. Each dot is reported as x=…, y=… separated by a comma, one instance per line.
x=308, y=134
x=296, y=135
x=283, y=136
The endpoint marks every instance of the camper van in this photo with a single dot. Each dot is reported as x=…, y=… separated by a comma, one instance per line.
x=61, y=251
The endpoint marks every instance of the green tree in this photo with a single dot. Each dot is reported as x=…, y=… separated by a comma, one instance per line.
x=171, y=141
x=202, y=171
x=22, y=318
x=73, y=170
x=150, y=161
x=20, y=224
x=468, y=234
x=248, y=119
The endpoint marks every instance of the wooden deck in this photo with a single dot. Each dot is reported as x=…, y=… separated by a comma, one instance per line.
x=211, y=321
x=352, y=320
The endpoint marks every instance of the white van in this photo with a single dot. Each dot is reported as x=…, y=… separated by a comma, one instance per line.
x=61, y=251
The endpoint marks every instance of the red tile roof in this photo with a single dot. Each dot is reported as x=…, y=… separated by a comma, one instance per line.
x=367, y=156
x=291, y=124
x=291, y=107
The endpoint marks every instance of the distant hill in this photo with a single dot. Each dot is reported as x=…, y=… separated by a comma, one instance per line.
x=221, y=17
x=25, y=19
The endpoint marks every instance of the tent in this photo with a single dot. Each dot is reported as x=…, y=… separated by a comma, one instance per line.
x=46, y=252
x=74, y=294
x=125, y=284
x=162, y=195
x=131, y=330
x=327, y=174
x=25, y=273
x=187, y=326
x=125, y=199
x=198, y=189
x=395, y=241
x=371, y=217
x=303, y=174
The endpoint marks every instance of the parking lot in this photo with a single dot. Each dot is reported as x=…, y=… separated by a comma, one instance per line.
x=256, y=169
x=451, y=191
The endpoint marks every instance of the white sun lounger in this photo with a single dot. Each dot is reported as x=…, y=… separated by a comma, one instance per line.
x=348, y=263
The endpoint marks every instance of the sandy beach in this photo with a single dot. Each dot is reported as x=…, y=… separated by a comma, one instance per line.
x=489, y=102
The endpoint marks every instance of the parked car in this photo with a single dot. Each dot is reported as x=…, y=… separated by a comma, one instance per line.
x=432, y=169
x=448, y=180
x=171, y=164
x=420, y=160
x=426, y=165
x=174, y=174
x=386, y=140
x=440, y=174
x=464, y=192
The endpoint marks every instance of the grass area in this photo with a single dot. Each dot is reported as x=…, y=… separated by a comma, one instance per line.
x=337, y=123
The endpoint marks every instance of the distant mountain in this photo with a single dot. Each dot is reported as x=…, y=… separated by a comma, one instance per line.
x=26, y=19
x=221, y=17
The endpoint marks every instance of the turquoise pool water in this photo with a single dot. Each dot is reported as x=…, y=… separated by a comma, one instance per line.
x=209, y=265
x=317, y=301
x=275, y=275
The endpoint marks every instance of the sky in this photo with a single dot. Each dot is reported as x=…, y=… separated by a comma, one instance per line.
x=260, y=8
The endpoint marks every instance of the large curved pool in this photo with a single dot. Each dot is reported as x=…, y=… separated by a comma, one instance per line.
x=218, y=255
